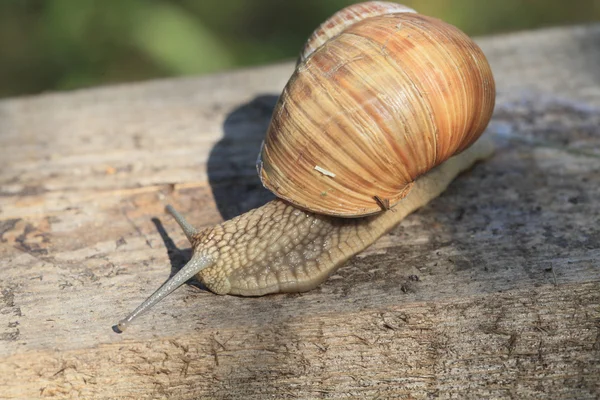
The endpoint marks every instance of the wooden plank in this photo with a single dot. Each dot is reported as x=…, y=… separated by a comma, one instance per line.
x=492, y=291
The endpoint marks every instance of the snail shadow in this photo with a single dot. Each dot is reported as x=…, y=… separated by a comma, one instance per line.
x=231, y=166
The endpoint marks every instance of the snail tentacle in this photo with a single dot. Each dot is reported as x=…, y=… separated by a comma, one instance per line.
x=187, y=228
x=197, y=263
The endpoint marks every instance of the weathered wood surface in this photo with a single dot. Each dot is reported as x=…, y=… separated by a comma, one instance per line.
x=507, y=300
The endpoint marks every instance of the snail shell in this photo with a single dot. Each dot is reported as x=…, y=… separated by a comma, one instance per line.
x=382, y=101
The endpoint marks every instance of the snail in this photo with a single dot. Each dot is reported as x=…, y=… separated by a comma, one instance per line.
x=384, y=110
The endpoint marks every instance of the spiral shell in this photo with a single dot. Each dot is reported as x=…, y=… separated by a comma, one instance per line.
x=345, y=18
x=375, y=106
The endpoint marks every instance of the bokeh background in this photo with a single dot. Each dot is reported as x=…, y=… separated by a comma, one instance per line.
x=50, y=45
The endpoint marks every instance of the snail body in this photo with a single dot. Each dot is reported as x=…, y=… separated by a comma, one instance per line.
x=281, y=248
x=379, y=117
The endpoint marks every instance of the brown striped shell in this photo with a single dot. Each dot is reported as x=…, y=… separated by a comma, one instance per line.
x=377, y=105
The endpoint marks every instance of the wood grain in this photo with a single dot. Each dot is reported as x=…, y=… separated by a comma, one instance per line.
x=492, y=291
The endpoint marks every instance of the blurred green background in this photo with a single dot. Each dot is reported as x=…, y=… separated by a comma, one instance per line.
x=65, y=44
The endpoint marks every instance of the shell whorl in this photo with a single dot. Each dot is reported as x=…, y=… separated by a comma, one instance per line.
x=346, y=17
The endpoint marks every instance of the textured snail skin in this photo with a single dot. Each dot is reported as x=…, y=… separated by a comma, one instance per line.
x=280, y=248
